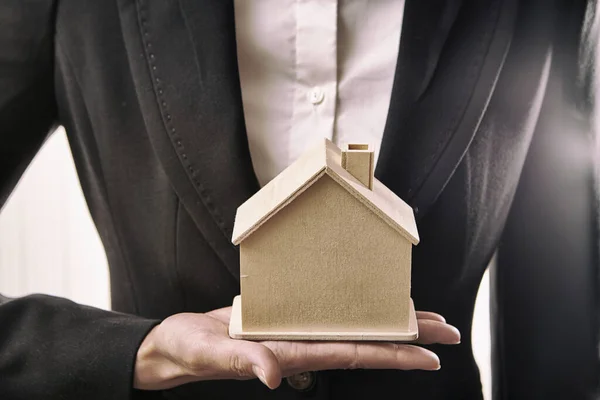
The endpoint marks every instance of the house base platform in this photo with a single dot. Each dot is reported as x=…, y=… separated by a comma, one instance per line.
x=236, y=332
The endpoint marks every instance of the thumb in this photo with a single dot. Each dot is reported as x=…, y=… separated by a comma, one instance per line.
x=249, y=359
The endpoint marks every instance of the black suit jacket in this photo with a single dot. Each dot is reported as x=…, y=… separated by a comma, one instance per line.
x=149, y=95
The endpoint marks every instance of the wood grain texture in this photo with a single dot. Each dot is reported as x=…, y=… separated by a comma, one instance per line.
x=358, y=160
x=325, y=263
x=236, y=332
x=325, y=158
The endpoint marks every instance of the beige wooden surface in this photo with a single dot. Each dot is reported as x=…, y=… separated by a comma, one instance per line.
x=359, y=160
x=325, y=262
x=323, y=158
x=236, y=331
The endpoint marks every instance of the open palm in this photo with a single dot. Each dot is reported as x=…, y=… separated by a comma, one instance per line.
x=198, y=347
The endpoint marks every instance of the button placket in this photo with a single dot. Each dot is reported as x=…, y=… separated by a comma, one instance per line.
x=316, y=74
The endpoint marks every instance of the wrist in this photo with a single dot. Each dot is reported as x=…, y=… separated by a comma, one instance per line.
x=153, y=370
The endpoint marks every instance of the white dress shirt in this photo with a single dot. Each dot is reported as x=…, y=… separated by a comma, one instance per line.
x=311, y=69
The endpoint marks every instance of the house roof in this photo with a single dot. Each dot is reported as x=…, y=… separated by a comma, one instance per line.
x=322, y=159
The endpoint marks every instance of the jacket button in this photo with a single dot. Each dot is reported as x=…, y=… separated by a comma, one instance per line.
x=303, y=381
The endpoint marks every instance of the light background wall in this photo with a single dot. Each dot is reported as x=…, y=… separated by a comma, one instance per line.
x=48, y=244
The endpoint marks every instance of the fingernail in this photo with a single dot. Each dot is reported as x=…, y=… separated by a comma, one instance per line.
x=437, y=361
x=439, y=364
x=458, y=334
x=260, y=374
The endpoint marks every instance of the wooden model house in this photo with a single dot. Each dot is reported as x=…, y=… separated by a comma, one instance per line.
x=325, y=253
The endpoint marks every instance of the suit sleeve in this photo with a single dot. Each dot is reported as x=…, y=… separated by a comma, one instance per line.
x=545, y=287
x=50, y=348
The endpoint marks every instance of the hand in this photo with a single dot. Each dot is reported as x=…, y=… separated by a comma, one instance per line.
x=193, y=347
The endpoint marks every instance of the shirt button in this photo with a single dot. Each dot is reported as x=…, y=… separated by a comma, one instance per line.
x=316, y=95
x=303, y=381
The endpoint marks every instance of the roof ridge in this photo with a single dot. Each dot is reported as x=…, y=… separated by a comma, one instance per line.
x=371, y=206
x=323, y=158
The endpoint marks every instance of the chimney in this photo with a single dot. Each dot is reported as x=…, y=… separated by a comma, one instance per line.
x=357, y=159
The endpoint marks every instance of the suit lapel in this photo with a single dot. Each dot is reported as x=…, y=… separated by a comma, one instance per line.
x=450, y=57
x=425, y=30
x=183, y=58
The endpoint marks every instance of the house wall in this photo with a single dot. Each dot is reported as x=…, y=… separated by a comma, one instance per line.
x=327, y=263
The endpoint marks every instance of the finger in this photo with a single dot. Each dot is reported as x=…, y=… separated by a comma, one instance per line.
x=224, y=358
x=222, y=314
x=437, y=332
x=314, y=356
x=430, y=315
x=245, y=358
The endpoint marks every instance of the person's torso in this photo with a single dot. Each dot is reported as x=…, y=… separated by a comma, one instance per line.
x=150, y=97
